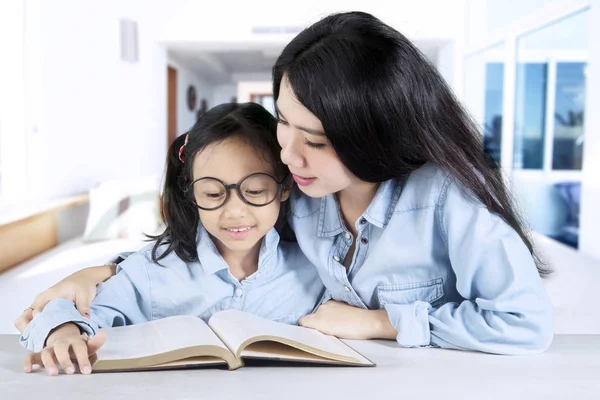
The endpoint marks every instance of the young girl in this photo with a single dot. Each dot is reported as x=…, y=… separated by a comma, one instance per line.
x=413, y=234
x=223, y=191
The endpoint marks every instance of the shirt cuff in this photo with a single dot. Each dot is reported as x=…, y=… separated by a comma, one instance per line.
x=56, y=313
x=121, y=257
x=412, y=323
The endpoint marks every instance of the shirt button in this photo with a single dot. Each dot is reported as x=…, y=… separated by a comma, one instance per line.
x=239, y=292
x=347, y=288
x=347, y=236
x=364, y=240
x=363, y=221
x=337, y=259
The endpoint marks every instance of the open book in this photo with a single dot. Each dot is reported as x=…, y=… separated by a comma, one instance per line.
x=229, y=338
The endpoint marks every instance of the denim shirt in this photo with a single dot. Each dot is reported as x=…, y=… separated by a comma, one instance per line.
x=448, y=272
x=285, y=288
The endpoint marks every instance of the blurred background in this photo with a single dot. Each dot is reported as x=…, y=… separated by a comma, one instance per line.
x=92, y=93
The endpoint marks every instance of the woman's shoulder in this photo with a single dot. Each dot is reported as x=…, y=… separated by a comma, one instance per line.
x=424, y=188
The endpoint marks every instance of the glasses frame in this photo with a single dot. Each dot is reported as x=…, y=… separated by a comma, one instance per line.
x=237, y=187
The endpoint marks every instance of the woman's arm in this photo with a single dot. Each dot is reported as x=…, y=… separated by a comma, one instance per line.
x=79, y=287
x=506, y=309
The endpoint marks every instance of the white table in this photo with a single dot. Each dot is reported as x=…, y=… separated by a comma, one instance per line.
x=570, y=369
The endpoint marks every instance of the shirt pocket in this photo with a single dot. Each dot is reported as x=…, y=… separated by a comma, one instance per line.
x=431, y=292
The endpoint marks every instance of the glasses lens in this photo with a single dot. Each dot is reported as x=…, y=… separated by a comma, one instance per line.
x=209, y=193
x=259, y=189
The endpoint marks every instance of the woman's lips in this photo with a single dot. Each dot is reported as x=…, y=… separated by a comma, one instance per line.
x=303, y=181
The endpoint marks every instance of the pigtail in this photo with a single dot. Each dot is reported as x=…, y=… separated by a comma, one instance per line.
x=178, y=210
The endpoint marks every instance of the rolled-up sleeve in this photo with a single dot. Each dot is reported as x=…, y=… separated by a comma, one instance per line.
x=412, y=323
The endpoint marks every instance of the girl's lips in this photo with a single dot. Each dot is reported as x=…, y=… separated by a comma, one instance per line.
x=302, y=181
x=238, y=232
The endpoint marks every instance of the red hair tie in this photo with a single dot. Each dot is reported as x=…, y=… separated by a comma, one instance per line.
x=181, y=157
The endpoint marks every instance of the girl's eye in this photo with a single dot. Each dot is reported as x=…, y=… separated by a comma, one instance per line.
x=314, y=145
x=254, y=192
x=282, y=122
x=213, y=195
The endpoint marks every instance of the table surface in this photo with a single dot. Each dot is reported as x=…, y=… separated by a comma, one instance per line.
x=569, y=369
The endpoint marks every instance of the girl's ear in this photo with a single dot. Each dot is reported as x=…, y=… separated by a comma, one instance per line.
x=285, y=194
x=288, y=184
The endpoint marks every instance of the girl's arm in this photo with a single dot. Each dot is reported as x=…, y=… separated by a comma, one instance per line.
x=122, y=300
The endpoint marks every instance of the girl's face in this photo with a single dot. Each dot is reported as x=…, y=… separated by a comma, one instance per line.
x=305, y=149
x=236, y=226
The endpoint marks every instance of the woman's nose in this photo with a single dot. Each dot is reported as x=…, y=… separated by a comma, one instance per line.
x=291, y=155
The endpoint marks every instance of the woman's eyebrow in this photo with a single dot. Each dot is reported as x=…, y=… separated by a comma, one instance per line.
x=315, y=132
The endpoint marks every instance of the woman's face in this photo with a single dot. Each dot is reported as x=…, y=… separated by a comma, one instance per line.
x=305, y=149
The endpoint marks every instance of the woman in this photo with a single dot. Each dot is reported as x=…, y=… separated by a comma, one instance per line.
x=412, y=232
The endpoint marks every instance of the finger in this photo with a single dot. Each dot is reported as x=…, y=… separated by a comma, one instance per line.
x=48, y=361
x=24, y=320
x=93, y=359
x=40, y=302
x=83, y=300
x=30, y=361
x=96, y=342
x=307, y=321
x=61, y=351
x=80, y=351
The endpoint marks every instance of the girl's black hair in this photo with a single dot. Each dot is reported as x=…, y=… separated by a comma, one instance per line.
x=247, y=121
x=387, y=111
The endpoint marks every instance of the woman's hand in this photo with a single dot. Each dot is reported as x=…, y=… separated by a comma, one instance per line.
x=344, y=321
x=65, y=343
x=79, y=287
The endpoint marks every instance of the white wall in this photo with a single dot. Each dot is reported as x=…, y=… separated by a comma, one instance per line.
x=245, y=89
x=223, y=94
x=185, y=77
x=13, y=155
x=590, y=200
x=91, y=117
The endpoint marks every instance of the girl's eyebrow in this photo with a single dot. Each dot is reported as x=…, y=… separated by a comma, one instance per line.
x=315, y=132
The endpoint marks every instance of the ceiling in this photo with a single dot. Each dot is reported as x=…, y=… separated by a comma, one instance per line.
x=234, y=62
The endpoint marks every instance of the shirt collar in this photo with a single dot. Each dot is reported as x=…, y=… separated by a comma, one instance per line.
x=382, y=206
x=212, y=261
x=378, y=213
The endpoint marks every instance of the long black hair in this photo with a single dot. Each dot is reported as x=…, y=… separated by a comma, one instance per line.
x=387, y=111
x=247, y=121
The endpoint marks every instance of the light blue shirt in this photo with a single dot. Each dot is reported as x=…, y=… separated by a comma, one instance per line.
x=448, y=272
x=285, y=288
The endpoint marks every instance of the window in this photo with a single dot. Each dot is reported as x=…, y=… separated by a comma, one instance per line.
x=569, y=106
x=492, y=126
x=530, y=116
x=528, y=93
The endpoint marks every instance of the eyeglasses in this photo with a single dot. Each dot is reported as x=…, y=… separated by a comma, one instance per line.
x=257, y=190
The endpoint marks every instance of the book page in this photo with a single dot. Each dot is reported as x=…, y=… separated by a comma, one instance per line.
x=157, y=337
x=236, y=327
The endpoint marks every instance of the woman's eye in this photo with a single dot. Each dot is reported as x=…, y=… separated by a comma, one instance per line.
x=282, y=122
x=213, y=195
x=314, y=145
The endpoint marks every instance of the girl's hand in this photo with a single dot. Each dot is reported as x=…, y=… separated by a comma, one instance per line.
x=344, y=321
x=79, y=287
x=63, y=345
